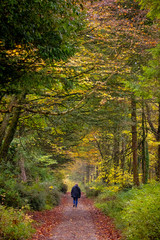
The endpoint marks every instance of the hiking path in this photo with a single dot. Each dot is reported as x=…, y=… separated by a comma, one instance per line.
x=66, y=222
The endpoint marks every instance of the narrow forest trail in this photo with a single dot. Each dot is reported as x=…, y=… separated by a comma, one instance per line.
x=67, y=223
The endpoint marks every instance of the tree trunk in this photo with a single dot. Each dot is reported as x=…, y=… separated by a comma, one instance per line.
x=4, y=126
x=87, y=173
x=144, y=150
x=123, y=154
x=96, y=171
x=147, y=162
x=6, y=121
x=134, y=142
x=22, y=168
x=158, y=140
x=10, y=131
x=156, y=133
x=116, y=150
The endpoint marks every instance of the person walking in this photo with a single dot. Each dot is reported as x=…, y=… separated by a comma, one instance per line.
x=75, y=194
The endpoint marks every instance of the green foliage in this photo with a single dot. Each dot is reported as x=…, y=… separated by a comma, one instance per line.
x=110, y=204
x=14, y=224
x=153, y=6
x=36, y=198
x=141, y=214
x=29, y=34
x=43, y=188
x=135, y=211
x=39, y=195
x=53, y=197
x=29, y=23
x=94, y=189
x=63, y=188
x=91, y=192
x=9, y=195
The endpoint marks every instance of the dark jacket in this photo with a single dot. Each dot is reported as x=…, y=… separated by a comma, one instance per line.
x=76, y=192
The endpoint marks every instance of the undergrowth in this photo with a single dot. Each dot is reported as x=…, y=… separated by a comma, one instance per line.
x=136, y=211
x=14, y=224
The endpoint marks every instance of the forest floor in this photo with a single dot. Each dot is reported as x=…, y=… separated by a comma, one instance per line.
x=66, y=222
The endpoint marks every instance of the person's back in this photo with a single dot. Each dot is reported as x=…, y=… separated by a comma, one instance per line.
x=75, y=193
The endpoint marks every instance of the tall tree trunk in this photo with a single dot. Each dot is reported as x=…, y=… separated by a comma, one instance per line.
x=4, y=126
x=87, y=173
x=123, y=154
x=116, y=150
x=98, y=146
x=156, y=133
x=22, y=168
x=158, y=140
x=134, y=142
x=5, y=121
x=144, y=156
x=147, y=162
x=96, y=172
x=10, y=131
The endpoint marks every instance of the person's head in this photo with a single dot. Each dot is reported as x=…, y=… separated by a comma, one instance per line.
x=76, y=184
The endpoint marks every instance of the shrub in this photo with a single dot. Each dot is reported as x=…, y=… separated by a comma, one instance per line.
x=40, y=195
x=109, y=202
x=53, y=197
x=52, y=194
x=142, y=214
x=37, y=199
x=94, y=189
x=63, y=188
x=34, y=195
x=136, y=212
x=14, y=224
x=91, y=192
x=9, y=195
x=10, y=198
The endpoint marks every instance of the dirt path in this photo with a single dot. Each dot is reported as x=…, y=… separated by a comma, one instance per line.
x=77, y=223
x=82, y=223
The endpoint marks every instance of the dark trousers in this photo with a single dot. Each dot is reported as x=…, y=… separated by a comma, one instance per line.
x=75, y=201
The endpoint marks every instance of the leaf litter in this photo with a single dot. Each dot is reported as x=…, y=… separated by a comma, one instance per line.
x=65, y=222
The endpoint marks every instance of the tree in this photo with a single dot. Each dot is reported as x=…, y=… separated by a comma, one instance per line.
x=134, y=142
x=120, y=33
x=34, y=36
x=153, y=7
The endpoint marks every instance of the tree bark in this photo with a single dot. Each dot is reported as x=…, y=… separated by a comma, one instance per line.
x=10, y=134
x=6, y=121
x=134, y=142
x=116, y=150
x=98, y=146
x=10, y=131
x=97, y=172
x=156, y=133
x=87, y=173
x=158, y=140
x=4, y=126
x=123, y=154
x=23, y=171
x=144, y=156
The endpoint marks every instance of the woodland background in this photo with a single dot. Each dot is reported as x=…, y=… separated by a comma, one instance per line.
x=80, y=102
